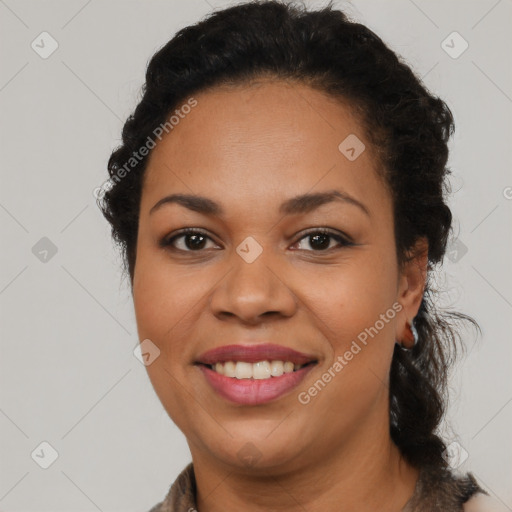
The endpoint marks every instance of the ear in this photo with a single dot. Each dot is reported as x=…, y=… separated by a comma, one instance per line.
x=411, y=285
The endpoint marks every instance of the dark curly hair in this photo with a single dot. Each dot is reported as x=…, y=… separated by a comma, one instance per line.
x=408, y=129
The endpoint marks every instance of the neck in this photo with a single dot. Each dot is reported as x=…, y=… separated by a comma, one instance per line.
x=365, y=473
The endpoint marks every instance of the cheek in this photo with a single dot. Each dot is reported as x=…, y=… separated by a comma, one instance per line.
x=164, y=308
x=164, y=300
x=350, y=299
x=354, y=311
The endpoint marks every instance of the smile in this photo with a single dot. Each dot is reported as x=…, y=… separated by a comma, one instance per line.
x=254, y=374
x=259, y=370
x=248, y=390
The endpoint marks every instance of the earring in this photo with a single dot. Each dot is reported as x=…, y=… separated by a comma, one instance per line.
x=411, y=335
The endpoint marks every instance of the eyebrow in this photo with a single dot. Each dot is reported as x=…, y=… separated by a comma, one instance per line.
x=304, y=203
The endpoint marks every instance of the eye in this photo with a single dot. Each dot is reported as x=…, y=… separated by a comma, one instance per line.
x=194, y=240
x=320, y=239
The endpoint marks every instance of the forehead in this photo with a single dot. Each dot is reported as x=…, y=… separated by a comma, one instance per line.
x=259, y=140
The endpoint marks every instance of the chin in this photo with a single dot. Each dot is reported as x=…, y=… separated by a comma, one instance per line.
x=256, y=448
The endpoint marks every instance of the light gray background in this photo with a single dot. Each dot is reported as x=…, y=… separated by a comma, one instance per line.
x=68, y=373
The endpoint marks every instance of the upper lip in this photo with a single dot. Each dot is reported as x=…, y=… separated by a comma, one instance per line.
x=253, y=354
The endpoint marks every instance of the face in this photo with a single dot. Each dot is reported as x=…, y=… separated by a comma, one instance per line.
x=316, y=275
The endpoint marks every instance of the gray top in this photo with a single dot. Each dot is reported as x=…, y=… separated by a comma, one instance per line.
x=435, y=490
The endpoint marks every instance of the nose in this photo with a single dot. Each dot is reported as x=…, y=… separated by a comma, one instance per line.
x=253, y=292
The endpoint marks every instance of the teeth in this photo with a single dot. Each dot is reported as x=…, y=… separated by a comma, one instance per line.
x=288, y=367
x=243, y=370
x=259, y=370
x=276, y=368
x=229, y=368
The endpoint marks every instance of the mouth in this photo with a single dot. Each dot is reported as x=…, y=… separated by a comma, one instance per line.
x=254, y=374
x=260, y=370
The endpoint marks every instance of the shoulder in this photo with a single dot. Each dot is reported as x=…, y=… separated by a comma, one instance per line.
x=480, y=502
x=443, y=489
x=181, y=495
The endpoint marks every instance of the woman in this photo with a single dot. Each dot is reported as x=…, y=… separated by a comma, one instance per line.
x=279, y=200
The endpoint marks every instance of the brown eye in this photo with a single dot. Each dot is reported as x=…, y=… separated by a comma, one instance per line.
x=320, y=240
x=189, y=240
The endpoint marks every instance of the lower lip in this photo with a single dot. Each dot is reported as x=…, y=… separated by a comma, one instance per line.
x=254, y=391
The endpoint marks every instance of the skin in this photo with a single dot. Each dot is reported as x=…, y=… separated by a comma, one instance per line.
x=249, y=148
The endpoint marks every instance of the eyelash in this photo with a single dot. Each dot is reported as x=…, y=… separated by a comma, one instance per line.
x=342, y=240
